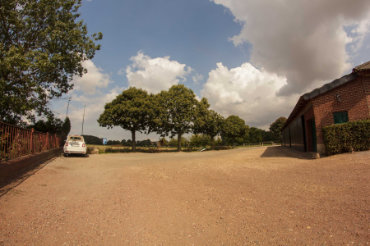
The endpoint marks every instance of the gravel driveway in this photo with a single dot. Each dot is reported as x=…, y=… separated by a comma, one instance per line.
x=261, y=196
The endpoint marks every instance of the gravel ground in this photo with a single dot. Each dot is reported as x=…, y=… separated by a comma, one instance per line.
x=261, y=196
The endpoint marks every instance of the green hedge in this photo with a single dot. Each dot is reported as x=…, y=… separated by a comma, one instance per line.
x=346, y=137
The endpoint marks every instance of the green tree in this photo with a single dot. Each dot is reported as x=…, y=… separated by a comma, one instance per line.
x=207, y=121
x=42, y=46
x=176, y=112
x=234, y=131
x=200, y=140
x=51, y=125
x=66, y=127
x=276, y=127
x=132, y=110
x=89, y=139
x=255, y=135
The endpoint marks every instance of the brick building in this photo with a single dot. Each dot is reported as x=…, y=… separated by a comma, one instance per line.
x=344, y=99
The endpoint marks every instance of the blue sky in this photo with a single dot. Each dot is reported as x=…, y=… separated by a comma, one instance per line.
x=249, y=58
x=193, y=32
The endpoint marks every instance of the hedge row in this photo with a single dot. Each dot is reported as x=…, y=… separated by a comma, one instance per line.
x=346, y=137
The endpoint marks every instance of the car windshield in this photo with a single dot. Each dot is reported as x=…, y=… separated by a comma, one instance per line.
x=75, y=138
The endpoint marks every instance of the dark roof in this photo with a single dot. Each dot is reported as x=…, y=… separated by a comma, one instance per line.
x=365, y=66
x=329, y=86
x=304, y=99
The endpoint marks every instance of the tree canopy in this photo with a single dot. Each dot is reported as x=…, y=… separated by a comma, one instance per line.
x=234, y=131
x=52, y=125
x=132, y=110
x=42, y=46
x=176, y=112
x=276, y=127
x=207, y=121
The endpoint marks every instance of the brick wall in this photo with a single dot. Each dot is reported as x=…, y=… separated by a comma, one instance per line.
x=352, y=97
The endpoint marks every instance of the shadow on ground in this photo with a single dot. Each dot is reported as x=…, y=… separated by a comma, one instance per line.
x=280, y=151
x=15, y=172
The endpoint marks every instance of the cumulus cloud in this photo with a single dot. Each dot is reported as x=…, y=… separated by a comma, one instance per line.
x=247, y=92
x=90, y=90
x=155, y=74
x=93, y=79
x=305, y=41
x=94, y=107
x=197, y=78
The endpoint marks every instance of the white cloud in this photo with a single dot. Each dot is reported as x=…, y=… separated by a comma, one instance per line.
x=91, y=90
x=247, y=92
x=304, y=41
x=94, y=107
x=93, y=79
x=155, y=74
x=197, y=78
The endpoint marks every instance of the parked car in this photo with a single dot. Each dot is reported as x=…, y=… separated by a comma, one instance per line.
x=75, y=144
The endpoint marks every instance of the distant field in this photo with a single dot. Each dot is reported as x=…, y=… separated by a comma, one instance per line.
x=120, y=148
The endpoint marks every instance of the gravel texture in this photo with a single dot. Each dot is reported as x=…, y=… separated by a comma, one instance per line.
x=261, y=196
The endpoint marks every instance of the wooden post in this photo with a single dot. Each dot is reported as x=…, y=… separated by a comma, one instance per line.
x=31, y=140
x=47, y=141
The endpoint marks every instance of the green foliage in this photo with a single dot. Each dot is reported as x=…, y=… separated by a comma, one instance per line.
x=145, y=143
x=207, y=121
x=200, y=140
x=176, y=112
x=348, y=136
x=66, y=127
x=113, y=142
x=174, y=142
x=163, y=141
x=132, y=110
x=89, y=139
x=42, y=46
x=51, y=125
x=127, y=142
x=257, y=135
x=234, y=131
x=276, y=127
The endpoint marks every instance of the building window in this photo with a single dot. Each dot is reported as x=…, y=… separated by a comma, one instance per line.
x=340, y=117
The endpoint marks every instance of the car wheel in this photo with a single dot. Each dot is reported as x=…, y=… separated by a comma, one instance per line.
x=65, y=155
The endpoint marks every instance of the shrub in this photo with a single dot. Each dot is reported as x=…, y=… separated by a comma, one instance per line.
x=173, y=142
x=346, y=137
x=200, y=140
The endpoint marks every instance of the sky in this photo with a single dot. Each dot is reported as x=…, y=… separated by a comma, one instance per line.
x=248, y=58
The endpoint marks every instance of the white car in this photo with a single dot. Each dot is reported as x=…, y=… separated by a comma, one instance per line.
x=75, y=144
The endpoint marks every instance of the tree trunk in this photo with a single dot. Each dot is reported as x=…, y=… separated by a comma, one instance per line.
x=212, y=141
x=133, y=138
x=179, y=142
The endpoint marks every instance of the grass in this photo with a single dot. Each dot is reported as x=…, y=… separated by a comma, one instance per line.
x=126, y=149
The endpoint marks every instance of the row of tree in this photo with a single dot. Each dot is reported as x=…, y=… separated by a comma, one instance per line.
x=52, y=125
x=176, y=112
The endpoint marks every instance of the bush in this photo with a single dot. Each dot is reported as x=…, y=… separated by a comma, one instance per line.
x=346, y=137
x=173, y=142
x=200, y=140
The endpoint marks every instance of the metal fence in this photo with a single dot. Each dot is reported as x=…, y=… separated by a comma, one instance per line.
x=16, y=142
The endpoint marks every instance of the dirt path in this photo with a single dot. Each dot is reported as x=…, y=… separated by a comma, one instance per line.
x=262, y=196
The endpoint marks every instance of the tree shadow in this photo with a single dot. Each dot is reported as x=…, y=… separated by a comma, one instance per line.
x=16, y=173
x=285, y=152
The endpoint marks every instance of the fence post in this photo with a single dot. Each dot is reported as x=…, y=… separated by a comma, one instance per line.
x=47, y=141
x=31, y=140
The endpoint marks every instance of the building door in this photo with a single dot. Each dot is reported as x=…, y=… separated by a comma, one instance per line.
x=311, y=135
x=304, y=133
x=314, y=141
